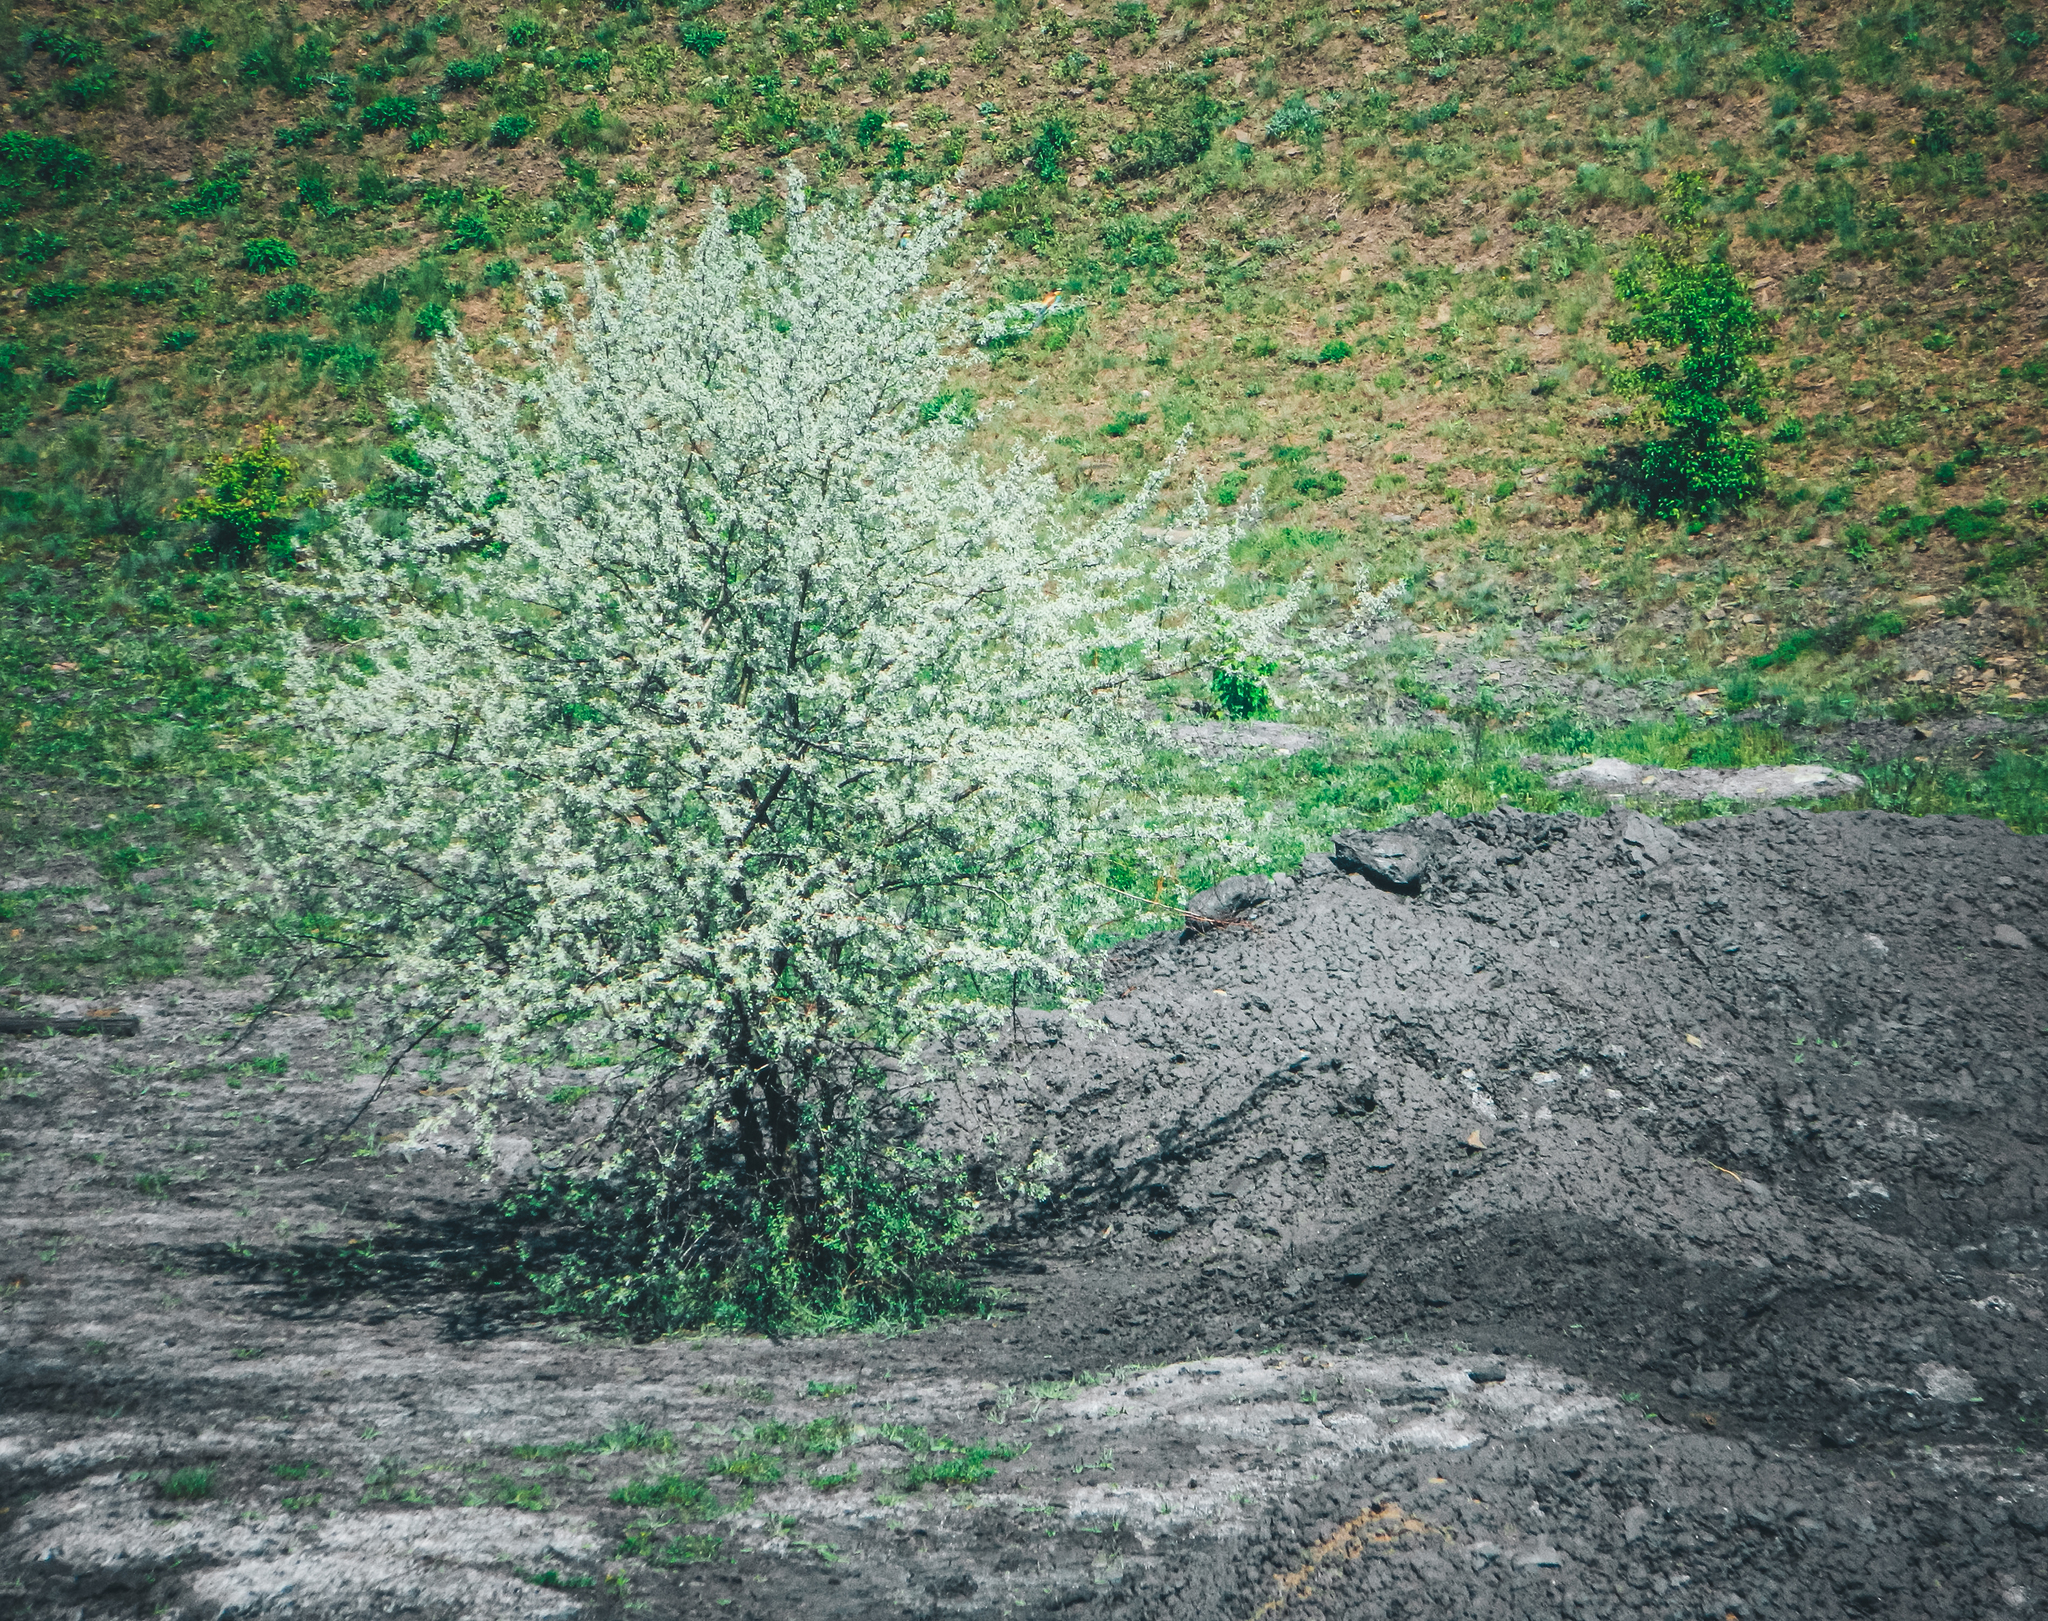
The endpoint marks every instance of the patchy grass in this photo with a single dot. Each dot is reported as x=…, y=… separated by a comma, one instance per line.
x=1359, y=259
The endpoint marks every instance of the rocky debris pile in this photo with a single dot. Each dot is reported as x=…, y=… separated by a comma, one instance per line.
x=1743, y=1118
x=1737, y=1114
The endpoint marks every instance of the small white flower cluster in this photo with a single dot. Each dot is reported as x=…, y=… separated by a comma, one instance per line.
x=718, y=704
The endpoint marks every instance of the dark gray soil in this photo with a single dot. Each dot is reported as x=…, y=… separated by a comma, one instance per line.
x=1631, y=1222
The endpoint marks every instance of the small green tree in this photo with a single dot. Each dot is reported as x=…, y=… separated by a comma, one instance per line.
x=247, y=505
x=1699, y=332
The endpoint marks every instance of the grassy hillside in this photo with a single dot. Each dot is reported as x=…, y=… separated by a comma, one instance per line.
x=1362, y=255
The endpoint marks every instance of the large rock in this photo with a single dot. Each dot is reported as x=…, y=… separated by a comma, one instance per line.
x=1755, y=784
x=1399, y=859
x=1235, y=896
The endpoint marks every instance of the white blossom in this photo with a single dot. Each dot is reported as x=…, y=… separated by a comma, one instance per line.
x=717, y=703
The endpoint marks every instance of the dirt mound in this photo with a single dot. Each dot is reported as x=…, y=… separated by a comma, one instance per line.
x=1742, y=1120
x=1629, y=1221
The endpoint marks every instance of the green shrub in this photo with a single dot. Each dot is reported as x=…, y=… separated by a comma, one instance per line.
x=1050, y=148
x=1132, y=242
x=1442, y=113
x=1295, y=118
x=1336, y=349
x=49, y=160
x=669, y=1491
x=671, y=1241
x=281, y=62
x=511, y=129
x=469, y=231
x=347, y=363
x=757, y=216
x=391, y=112
x=433, y=321
x=969, y=1466
x=73, y=50
x=207, y=200
x=595, y=127
x=1835, y=637
x=1170, y=133
x=52, y=295
x=95, y=87
x=501, y=273
x=1240, y=692
x=651, y=1541
x=1125, y=18
x=304, y=133
x=869, y=128
x=266, y=255
x=193, y=42
x=40, y=247
x=748, y=1468
x=246, y=505
x=467, y=75
x=697, y=38
x=177, y=340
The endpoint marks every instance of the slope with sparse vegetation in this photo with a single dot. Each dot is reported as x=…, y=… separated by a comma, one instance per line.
x=1365, y=258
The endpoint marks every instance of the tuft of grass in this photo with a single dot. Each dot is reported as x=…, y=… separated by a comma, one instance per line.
x=555, y=1578
x=653, y=1543
x=688, y=1496
x=190, y=1484
x=748, y=1468
x=2012, y=788
x=968, y=1467
x=630, y=1437
x=507, y=1491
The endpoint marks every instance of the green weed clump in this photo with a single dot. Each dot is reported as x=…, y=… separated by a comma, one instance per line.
x=189, y=1485
x=1050, y=148
x=266, y=255
x=391, y=112
x=691, y=1497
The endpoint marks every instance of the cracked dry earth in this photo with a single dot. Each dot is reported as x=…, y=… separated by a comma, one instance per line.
x=1630, y=1222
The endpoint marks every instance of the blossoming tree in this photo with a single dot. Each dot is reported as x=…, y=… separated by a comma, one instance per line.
x=720, y=712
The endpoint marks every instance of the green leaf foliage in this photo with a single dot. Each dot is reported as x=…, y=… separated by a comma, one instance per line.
x=1699, y=332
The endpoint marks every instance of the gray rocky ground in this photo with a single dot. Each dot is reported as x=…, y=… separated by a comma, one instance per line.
x=1630, y=1221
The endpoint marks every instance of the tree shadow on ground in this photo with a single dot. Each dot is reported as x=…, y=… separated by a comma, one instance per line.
x=461, y=1264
